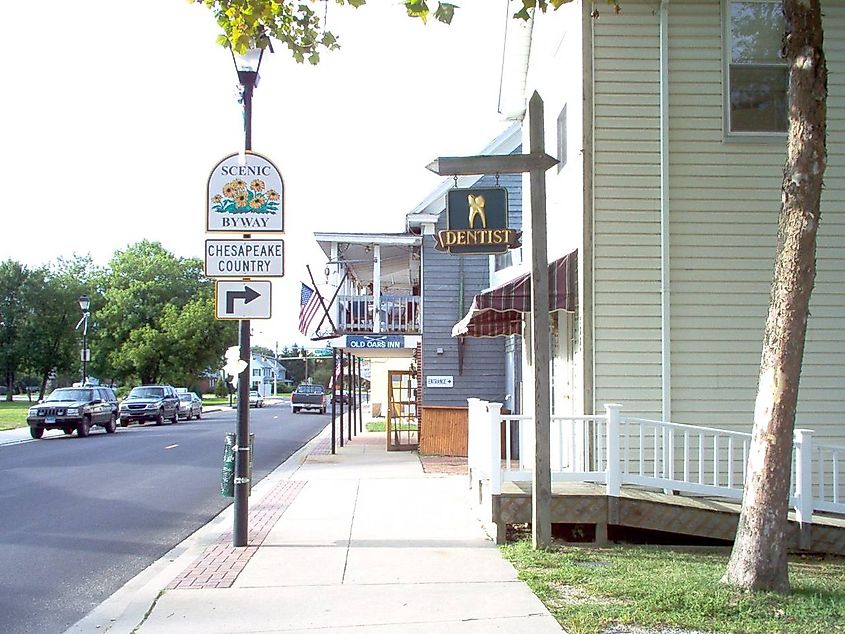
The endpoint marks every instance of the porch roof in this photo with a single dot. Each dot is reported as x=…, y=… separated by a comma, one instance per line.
x=498, y=311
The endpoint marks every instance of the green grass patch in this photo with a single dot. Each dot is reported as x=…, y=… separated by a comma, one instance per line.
x=381, y=425
x=591, y=589
x=13, y=415
x=210, y=399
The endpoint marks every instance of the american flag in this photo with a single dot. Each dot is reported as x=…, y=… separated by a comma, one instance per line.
x=308, y=304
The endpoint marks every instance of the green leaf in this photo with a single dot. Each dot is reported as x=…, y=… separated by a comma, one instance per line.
x=445, y=12
x=417, y=9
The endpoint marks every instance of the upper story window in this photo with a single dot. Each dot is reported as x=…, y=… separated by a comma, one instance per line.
x=757, y=75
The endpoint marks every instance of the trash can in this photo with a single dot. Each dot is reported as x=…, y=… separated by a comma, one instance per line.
x=227, y=478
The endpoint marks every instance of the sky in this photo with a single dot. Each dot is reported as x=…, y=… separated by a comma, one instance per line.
x=115, y=112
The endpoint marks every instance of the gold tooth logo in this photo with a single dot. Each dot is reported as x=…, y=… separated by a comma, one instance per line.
x=476, y=208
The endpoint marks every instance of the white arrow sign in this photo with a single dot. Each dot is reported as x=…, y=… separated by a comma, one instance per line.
x=242, y=299
x=244, y=258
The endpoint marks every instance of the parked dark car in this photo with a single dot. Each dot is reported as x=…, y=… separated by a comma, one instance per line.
x=150, y=403
x=190, y=405
x=308, y=396
x=74, y=408
x=341, y=398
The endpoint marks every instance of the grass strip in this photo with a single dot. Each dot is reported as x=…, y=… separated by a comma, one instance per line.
x=591, y=589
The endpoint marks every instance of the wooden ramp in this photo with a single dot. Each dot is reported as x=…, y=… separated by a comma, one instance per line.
x=584, y=503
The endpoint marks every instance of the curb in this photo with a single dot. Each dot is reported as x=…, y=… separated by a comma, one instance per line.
x=126, y=609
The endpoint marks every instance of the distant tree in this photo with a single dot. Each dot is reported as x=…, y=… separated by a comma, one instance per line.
x=263, y=351
x=14, y=312
x=51, y=340
x=196, y=340
x=139, y=286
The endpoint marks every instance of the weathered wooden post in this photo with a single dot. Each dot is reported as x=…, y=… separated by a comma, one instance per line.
x=537, y=396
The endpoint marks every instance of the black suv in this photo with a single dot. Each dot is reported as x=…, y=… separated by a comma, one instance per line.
x=79, y=408
x=150, y=402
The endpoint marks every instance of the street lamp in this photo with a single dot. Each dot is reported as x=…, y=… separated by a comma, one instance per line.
x=84, y=304
x=246, y=67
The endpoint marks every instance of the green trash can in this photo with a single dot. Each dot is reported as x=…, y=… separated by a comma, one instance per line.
x=227, y=479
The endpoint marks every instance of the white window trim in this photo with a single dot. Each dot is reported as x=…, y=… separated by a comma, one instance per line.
x=730, y=135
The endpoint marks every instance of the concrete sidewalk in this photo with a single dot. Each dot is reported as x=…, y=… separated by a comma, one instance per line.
x=363, y=541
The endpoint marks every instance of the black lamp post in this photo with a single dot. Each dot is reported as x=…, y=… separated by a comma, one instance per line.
x=246, y=66
x=84, y=304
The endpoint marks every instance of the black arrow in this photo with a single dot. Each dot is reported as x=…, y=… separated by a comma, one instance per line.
x=247, y=295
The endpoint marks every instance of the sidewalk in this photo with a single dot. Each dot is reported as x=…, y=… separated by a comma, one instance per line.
x=363, y=541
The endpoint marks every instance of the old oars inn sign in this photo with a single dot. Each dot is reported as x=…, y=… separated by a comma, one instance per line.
x=478, y=223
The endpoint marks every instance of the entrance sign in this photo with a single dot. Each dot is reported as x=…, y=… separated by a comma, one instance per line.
x=244, y=258
x=478, y=223
x=242, y=299
x=440, y=381
x=245, y=198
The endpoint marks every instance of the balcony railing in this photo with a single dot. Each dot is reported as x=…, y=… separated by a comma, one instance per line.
x=396, y=314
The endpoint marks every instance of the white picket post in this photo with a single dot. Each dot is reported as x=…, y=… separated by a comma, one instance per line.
x=803, y=439
x=612, y=468
x=495, y=425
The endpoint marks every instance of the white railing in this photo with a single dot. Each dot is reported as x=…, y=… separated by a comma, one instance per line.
x=396, y=313
x=613, y=450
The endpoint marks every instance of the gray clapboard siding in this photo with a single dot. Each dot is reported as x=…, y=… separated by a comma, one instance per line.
x=483, y=373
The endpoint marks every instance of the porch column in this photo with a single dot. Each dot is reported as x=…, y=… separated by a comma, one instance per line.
x=377, y=288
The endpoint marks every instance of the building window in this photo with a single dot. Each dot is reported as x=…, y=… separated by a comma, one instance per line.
x=561, y=139
x=757, y=74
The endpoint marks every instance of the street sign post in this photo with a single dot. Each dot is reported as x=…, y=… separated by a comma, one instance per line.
x=244, y=258
x=242, y=299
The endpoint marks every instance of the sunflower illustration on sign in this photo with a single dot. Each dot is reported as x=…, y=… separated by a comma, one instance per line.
x=238, y=198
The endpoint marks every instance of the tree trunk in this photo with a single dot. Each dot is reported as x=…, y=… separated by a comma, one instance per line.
x=758, y=560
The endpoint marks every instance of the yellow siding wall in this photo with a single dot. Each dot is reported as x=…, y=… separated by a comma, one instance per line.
x=724, y=202
x=626, y=214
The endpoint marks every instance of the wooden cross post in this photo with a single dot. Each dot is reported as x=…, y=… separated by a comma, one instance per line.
x=536, y=162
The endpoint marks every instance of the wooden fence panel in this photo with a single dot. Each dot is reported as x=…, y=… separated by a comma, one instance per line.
x=443, y=431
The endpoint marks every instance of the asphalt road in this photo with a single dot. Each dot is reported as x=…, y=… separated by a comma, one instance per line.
x=79, y=517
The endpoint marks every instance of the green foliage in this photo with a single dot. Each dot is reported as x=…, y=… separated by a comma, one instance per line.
x=155, y=319
x=528, y=6
x=250, y=24
x=589, y=590
x=51, y=339
x=14, y=313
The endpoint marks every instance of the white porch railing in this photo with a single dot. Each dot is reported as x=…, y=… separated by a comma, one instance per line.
x=614, y=450
x=396, y=313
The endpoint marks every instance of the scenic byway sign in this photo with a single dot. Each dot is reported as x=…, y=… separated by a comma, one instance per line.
x=242, y=299
x=244, y=258
x=245, y=197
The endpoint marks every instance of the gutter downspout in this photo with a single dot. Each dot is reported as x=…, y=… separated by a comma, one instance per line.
x=665, y=282
x=586, y=296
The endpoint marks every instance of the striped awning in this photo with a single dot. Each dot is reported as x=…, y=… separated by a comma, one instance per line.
x=499, y=311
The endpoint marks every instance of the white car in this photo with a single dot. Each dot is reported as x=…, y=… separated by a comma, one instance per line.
x=255, y=399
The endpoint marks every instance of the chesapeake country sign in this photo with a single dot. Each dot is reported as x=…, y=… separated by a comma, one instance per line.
x=249, y=257
x=478, y=223
x=245, y=197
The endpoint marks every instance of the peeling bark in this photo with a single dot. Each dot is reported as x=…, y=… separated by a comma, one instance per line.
x=759, y=557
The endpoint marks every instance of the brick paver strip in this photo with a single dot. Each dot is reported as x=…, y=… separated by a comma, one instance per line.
x=323, y=447
x=220, y=564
